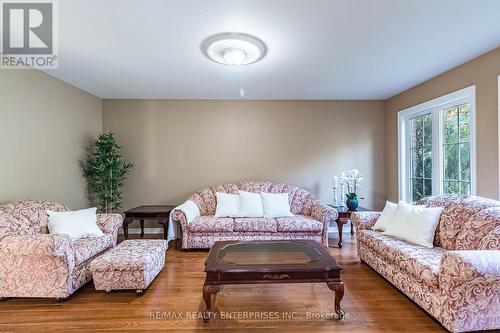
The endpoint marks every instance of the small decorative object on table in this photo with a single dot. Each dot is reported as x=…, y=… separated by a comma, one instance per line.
x=351, y=182
x=342, y=190
x=352, y=201
x=335, y=185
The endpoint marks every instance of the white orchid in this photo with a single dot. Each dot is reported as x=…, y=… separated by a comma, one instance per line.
x=351, y=181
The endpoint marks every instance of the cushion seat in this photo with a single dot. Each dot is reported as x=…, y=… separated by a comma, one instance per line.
x=253, y=224
x=132, y=264
x=421, y=262
x=86, y=248
x=209, y=223
x=298, y=223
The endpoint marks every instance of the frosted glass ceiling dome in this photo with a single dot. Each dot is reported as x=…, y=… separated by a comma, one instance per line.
x=234, y=48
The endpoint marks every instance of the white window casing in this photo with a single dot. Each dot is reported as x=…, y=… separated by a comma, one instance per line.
x=435, y=107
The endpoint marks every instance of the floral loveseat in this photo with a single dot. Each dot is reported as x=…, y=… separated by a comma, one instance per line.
x=457, y=281
x=34, y=263
x=311, y=218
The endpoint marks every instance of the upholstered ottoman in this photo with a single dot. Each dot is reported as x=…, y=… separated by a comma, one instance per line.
x=132, y=264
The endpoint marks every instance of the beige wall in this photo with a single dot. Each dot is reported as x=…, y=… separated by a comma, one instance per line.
x=44, y=124
x=179, y=147
x=482, y=72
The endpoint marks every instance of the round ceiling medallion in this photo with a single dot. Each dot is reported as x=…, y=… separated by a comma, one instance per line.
x=234, y=49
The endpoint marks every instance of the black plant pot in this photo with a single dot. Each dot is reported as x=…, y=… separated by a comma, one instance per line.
x=352, y=204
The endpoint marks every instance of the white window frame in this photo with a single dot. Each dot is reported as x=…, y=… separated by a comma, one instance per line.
x=498, y=88
x=404, y=141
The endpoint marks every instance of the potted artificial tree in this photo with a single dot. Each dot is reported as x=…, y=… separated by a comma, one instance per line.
x=105, y=171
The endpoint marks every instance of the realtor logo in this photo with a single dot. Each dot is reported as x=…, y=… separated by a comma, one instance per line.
x=28, y=34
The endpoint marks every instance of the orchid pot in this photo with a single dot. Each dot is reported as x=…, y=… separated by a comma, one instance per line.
x=352, y=202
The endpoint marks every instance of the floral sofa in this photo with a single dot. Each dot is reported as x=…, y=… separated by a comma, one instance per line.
x=457, y=281
x=34, y=263
x=311, y=218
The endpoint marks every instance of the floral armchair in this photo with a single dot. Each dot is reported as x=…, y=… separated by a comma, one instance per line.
x=34, y=263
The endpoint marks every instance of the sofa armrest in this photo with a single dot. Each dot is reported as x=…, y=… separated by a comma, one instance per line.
x=491, y=241
x=464, y=266
x=323, y=213
x=179, y=216
x=109, y=223
x=364, y=220
x=469, y=283
x=186, y=212
x=55, y=245
x=37, y=266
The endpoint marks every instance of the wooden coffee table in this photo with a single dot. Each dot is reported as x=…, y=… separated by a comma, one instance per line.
x=281, y=261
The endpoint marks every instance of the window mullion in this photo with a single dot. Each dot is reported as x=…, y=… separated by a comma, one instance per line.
x=459, y=164
x=437, y=173
x=410, y=161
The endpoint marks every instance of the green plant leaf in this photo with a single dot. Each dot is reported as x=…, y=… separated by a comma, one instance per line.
x=105, y=170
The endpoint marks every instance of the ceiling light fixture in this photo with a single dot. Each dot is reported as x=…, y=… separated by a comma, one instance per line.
x=234, y=49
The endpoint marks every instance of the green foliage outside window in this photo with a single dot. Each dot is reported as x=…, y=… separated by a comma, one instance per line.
x=456, y=152
x=421, y=157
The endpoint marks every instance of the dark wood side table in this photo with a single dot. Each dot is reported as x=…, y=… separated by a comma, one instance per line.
x=159, y=213
x=344, y=217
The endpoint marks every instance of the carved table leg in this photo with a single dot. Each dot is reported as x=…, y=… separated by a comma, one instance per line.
x=164, y=224
x=125, y=227
x=339, y=227
x=208, y=291
x=338, y=287
x=142, y=228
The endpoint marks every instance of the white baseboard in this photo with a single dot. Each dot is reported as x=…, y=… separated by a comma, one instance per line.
x=346, y=229
x=137, y=231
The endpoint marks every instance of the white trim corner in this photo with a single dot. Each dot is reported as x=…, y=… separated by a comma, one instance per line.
x=473, y=141
x=498, y=97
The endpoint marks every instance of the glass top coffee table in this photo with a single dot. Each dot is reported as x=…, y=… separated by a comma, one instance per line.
x=280, y=261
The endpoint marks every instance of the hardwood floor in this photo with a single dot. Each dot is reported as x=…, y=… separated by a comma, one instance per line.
x=371, y=304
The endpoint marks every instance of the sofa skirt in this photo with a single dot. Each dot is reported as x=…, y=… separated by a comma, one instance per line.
x=206, y=240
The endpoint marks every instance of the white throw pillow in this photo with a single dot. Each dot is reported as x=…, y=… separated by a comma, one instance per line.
x=76, y=224
x=386, y=216
x=228, y=205
x=276, y=205
x=414, y=224
x=250, y=204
